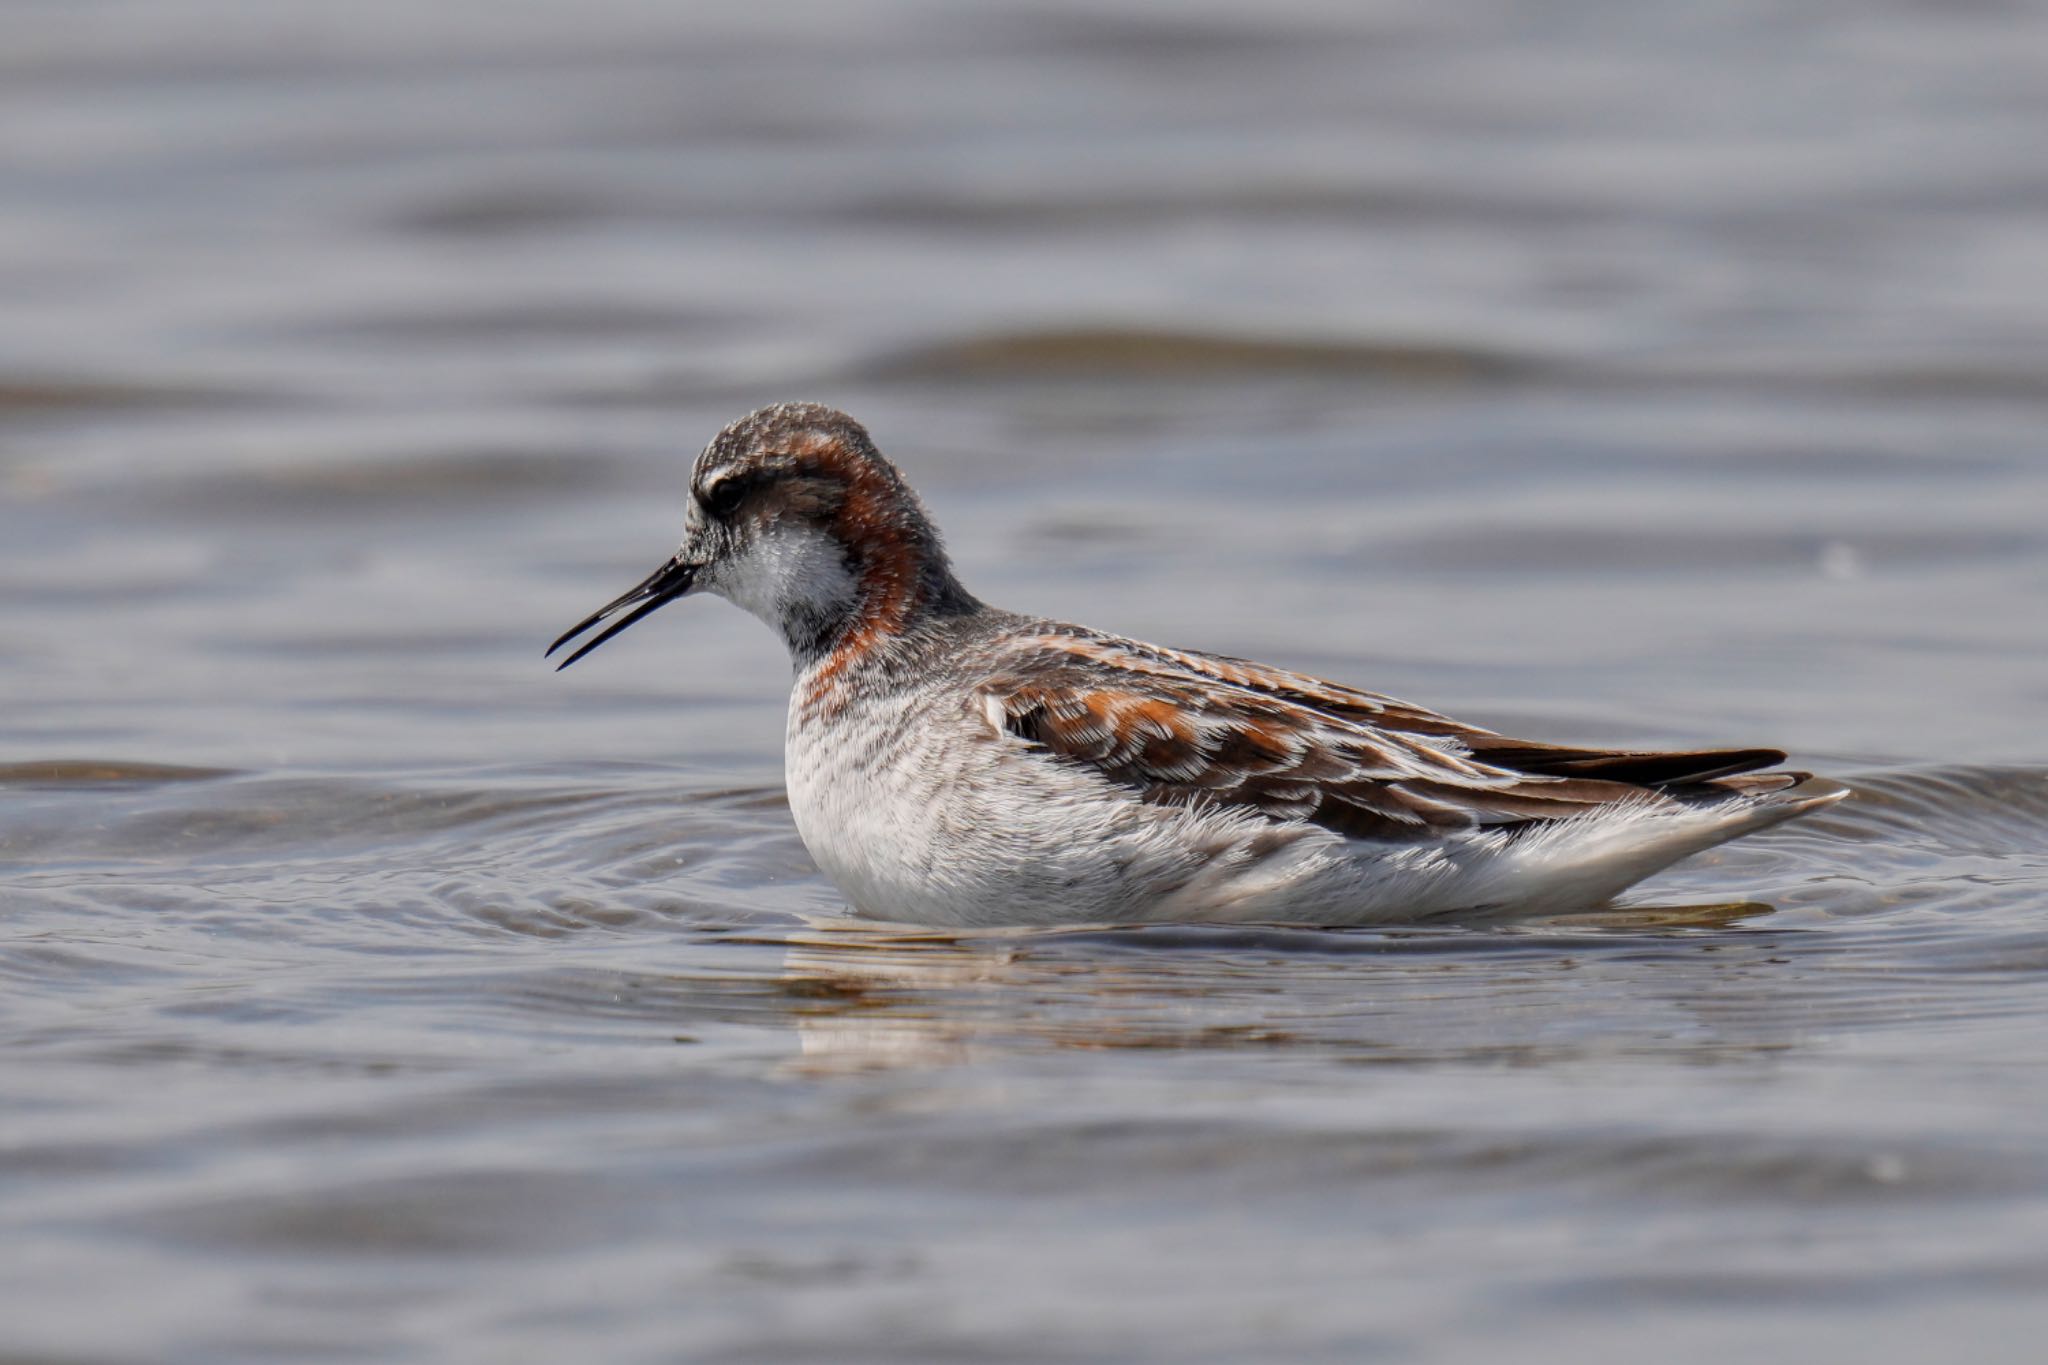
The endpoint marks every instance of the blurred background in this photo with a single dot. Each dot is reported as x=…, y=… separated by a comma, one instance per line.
x=1631, y=373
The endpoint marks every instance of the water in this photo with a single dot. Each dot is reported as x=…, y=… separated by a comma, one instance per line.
x=1647, y=374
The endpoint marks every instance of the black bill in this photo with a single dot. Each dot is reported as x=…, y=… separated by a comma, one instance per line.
x=660, y=588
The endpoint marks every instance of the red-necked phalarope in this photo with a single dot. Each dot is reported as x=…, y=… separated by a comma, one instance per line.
x=953, y=764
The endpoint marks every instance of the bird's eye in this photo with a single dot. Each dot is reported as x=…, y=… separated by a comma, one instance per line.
x=723, y=498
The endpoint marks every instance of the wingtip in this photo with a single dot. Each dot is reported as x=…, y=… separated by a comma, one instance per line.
x=1811, y=793
x=1802, y=797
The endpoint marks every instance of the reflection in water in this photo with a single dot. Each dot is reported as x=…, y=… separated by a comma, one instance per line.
x=879, y=997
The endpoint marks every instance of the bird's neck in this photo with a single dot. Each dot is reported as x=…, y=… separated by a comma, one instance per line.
x=897, y=587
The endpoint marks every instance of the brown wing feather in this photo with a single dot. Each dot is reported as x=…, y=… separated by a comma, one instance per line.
x=1671, y=768
x=1180, y=735
x=1181, y=728
x=1248, y=752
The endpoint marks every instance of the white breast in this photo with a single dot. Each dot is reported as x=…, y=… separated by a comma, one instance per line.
x=919, y=811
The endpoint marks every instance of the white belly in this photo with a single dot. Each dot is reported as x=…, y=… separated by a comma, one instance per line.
x=930, y=818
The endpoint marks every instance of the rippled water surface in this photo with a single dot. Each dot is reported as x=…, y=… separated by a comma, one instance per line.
x=1657, y=373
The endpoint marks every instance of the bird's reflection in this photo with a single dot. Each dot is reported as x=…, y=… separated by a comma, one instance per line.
x=867, y=996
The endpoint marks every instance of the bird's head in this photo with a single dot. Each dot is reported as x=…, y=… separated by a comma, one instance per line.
x=796, y=517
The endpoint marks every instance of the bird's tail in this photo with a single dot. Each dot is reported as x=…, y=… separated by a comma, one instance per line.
x=1585, y=861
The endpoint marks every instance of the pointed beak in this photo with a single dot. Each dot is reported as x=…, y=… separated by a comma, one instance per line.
x=657, y=590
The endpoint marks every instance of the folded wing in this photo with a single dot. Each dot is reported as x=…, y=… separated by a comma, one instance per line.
x=1181, y=728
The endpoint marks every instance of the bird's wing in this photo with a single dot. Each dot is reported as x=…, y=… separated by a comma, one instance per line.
x=1670, y=770
x=1181, y=728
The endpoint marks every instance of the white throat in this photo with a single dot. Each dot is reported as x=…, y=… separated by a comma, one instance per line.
x=795, y=579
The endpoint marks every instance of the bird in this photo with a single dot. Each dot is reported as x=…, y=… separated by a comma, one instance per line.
x=955, y=765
